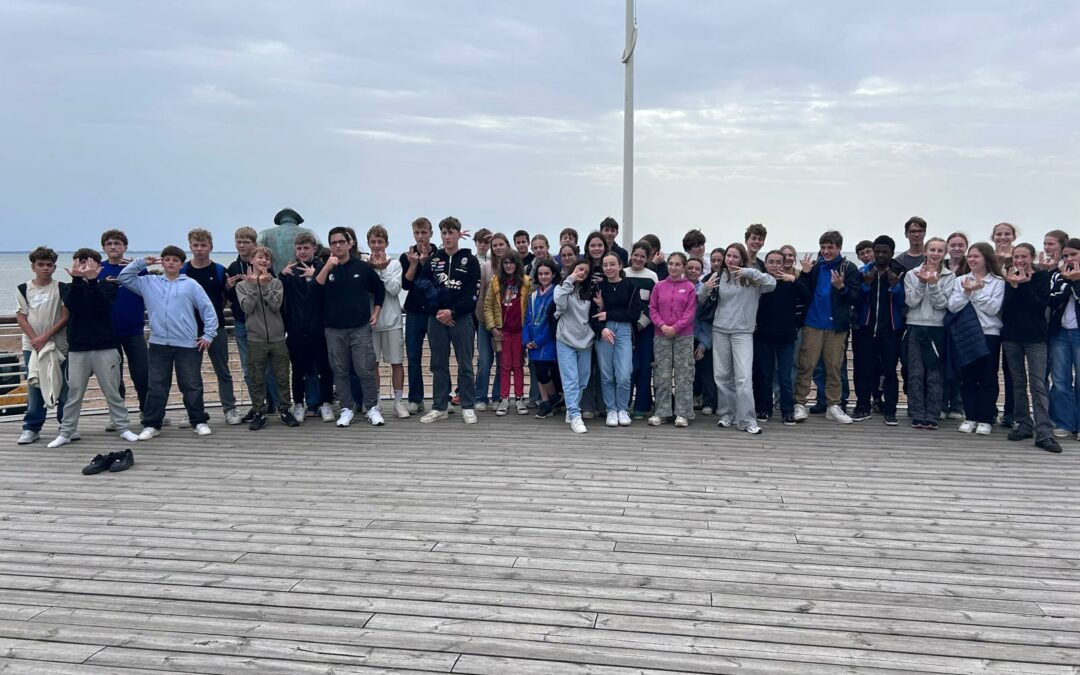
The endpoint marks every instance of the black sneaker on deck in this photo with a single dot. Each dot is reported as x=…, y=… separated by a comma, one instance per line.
x=890, y=419
x=1019, y=434
x=789, y=420
x=1048, y=444
x=859, y=414
x=763, y=417
x=288, y=419
x=545, y=410
x=124, y=461
x=930, y=425
x=258, y=421
x=99, y=463
x=819, y=408
x=248, y=416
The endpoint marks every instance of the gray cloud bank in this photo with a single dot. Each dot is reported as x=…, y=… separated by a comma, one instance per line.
x=161, y=116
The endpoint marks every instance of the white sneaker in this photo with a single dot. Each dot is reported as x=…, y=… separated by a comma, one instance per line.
x=1061, y=433
x=966, y=427
x=956, y=415
x=752, y=428
x=148, y=432
x=203, y=429
x=415, y=407
x=656, y=421
x=27, y=437
x=725, y=421
x=801, y=412
x=504, y=406
x=129, y=436
x=298, y=411
x=110, y=426
x=522, y=407
x=233, y=417
x=577, y=425
x=434, y=416
x=837, y=414
x=58, y=441
x=480, y=406
x=983, y=429
x=346, y=417
x=326, y=412
x=624, y=419
x=400, y=411
x=706, y=410
x=374, y=416
x=612, y=419
x=469, y=415
x=680, y=421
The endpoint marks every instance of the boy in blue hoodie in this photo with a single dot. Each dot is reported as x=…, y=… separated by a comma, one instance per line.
x=879, y=324
x=172, y=302
x=128, y=311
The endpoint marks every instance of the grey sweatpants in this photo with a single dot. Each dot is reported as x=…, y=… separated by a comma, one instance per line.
x=925, y=384
x=104, y=364
x=352, y=346
x=1027, y=362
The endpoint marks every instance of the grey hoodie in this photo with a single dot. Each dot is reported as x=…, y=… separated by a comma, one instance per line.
x=736, y=307
x=573, y=314
x=927, y=304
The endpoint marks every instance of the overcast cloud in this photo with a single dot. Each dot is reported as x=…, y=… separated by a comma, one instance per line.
x=160, y=116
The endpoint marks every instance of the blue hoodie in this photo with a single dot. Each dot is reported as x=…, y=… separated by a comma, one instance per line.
x=172, y=306
x=537, y=327
x=127, y=308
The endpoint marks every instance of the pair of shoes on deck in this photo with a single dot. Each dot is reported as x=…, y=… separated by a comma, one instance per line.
x=114, y=461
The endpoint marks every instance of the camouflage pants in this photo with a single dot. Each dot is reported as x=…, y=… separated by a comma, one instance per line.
x=674, y=358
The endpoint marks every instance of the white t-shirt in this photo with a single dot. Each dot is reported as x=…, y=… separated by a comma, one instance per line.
x=41, y=307
x=1068, y=319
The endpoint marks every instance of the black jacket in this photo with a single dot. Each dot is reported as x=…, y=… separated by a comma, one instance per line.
x=777, y=314
x=451, y=282
x=622, y=303
x=90, y=304
x=349, y=292
x=415, y=301
x=842, y=300
x=1023, y=310
x=303, y=305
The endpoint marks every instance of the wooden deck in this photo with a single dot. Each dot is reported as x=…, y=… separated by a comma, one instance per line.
x=516, y=547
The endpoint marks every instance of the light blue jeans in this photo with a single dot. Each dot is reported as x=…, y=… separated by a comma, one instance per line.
x=574, y=367
x=616, y=366
x=1065, y=379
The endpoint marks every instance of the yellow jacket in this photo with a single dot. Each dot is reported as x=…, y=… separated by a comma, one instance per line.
x=493, y=302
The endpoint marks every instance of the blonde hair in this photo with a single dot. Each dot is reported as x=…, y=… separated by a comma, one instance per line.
x=263, y=251
x=246, y=233
x=199, y=234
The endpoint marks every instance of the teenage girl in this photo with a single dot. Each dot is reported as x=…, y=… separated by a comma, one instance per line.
x=574, y=338
x=538, y=334
x=1023, y=338
x=618, y=309
x=1065, y=342
x=1003, y=236
x=984, y=290
x=926, y=293
x=485, y=349
x=596, y=247
x=672, y=310
x=739, y=287
x=504, y=316
x=641, y=377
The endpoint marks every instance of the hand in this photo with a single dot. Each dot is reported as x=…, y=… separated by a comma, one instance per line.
x=152, y=260
x=1018, y=276
x=599, y=300
x=307, y=271
x=608, y=336
x=837, y=280
x=892, y=277
x=870, y=276
x=264, y=276
x=699, y=353
x=971, y=285
x=464, y=234
x=658, y=258
x=713, y=280
x=579, y=275
x=289, y=268
x=378, y=260
x=600, y=316
x=445, y=317
x=202, y=344
x=496, y=334
x=233, y=280
x=374, y=317
x=1046, y=261
x=331, y=262
x=1071, y=271
x=125, y=261
x=927, y=275
x=36, y=343
x=530, y=345
x=251, y=277
x=668, y=331
x=807, y=263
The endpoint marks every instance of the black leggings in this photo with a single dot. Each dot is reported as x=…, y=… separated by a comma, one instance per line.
x=980, y=384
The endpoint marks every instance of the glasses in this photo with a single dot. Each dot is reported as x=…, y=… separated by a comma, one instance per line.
x=340, y=242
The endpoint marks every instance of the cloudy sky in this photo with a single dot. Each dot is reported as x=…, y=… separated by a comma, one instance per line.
x=160, y=116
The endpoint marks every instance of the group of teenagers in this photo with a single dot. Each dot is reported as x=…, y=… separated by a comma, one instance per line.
x=624, y=334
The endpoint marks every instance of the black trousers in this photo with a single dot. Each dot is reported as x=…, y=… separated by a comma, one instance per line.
x=876, y=358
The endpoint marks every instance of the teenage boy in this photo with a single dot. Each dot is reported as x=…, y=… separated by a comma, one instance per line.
x=879, y=324
x=483, y=244
x=128, y=317
x=864, y=251
x=91, y=347
x=451, y=279
x=211, y=276
x=693, y=242
x=412, y=261
x=915, y=231
x=521, y=243
x=281, y=238
x=388, y=335
x=833, y=285
x=568, y=236
x=172, y=302
x=305, y=337
x=774, y=340
x=244, y=239
x=353, y=296
x=754, y=238
x=261, y=295
x=42, y=317
x=609, y=229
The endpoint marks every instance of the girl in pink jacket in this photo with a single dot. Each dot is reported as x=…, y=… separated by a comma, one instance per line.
x=672, y=309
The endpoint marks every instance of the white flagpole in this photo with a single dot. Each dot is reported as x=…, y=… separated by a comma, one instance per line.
x=628, y=129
